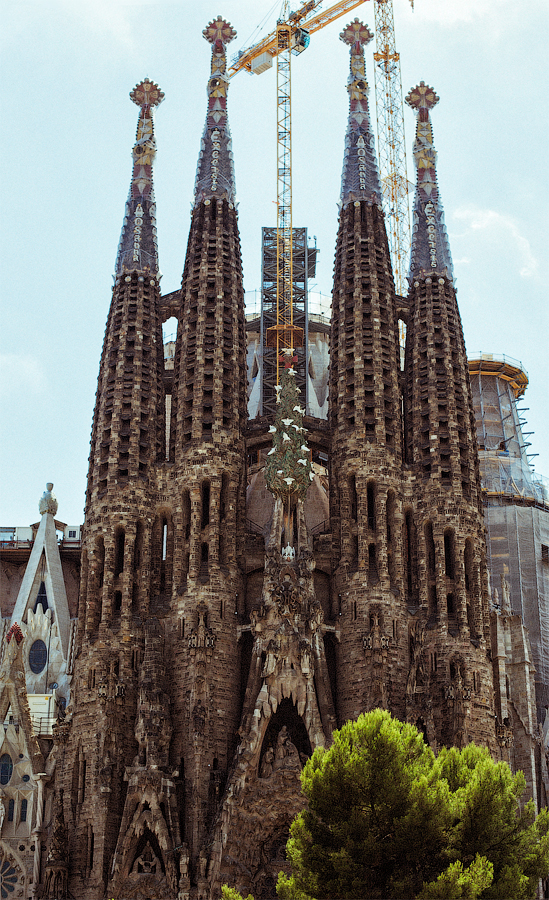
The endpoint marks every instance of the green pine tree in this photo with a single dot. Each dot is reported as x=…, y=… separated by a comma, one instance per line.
x=386, y=819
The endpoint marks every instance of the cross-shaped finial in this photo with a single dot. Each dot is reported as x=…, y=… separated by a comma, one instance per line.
x=219, y=30
x=356, y=33
x=147, y=93
x=422, y=97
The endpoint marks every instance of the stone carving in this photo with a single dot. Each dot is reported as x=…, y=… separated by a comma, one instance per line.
x=57, y=868
x=416, y=673
x=201, y=637
x=375, y=645
x=48, y=501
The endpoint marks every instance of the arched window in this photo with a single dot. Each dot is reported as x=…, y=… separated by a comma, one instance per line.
x=6, y=768
x=38, y=657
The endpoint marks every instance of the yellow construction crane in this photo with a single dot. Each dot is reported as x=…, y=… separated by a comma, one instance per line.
x=291, y=36
x=390, y=139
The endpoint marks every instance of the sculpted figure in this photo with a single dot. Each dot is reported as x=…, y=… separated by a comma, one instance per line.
x=267, y=764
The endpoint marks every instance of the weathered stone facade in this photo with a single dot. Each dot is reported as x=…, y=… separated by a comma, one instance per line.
x=238, y=599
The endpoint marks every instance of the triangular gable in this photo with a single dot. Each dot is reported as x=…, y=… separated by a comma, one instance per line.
x=45, y=545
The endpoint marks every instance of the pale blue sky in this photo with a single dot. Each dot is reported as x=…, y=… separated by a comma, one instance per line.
x=68, y=67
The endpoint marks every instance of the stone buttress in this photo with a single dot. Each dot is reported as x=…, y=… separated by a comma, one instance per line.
x=208, y=461
x=449, y=686
x=118, y=556
x=366, y=504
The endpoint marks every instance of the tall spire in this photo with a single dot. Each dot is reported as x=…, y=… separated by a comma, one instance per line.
x=137, y=250
x=360, y=178
x=430, y=247
x=215, y=172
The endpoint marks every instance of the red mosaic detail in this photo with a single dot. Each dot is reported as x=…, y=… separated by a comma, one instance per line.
x=356, y=33
x=147, y=93
x=219, y=30
x=15, y=632
x=422, y=97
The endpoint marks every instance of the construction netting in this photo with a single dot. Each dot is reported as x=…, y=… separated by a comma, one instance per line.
x=517, y=540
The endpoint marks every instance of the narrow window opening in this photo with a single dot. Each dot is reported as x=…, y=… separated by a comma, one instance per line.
x=430, y=548
x=449, y=558
x=353, y=498
x=205, y=504
x=373, y=576
x=223, y=503
x=186, y=514
x=371, y=505
x=120, y=540
x=164, y=538
x=433, y=605
x=390, y=521
x=204, y=561
x=90, y=847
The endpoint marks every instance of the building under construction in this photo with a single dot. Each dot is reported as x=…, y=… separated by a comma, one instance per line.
x=248, y=584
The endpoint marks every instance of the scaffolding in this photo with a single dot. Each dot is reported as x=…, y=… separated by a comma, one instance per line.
x=516, y=506
x=497, y=382
x=304, y=267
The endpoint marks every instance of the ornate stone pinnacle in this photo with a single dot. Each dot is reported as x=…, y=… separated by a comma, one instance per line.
x=48, y=501
x=219, y=30
x=146, y=93
x=422, y=97
x=356, y=32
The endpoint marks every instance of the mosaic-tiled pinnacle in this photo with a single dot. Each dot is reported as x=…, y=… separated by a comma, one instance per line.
x=430, y=247
x=360, y=178
x=215, y=172
x=137, y=250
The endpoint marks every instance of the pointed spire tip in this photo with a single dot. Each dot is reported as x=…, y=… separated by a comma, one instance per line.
x=356, y=32
x=146, y=93
x=219, y=30
x=422, y=97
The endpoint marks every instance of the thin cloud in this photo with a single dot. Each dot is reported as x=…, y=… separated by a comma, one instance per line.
x=106, y=17
x=465, y=11
x=21, y=374
x=494, y=224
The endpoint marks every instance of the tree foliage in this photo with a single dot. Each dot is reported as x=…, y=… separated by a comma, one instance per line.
x=387, y=819
x=229, y=893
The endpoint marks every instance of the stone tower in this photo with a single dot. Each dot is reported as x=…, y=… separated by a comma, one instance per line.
x=207, y=464
x=365, y=417
x=118, y=558
x=449, y=686
x=156, y=703
x=214, y=655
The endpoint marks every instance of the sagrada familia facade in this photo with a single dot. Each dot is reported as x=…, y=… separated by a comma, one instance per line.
x=207, y=658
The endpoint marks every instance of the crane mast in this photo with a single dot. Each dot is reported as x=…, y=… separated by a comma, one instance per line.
x=291, y=36
x=390, y=136
x=284, y=336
